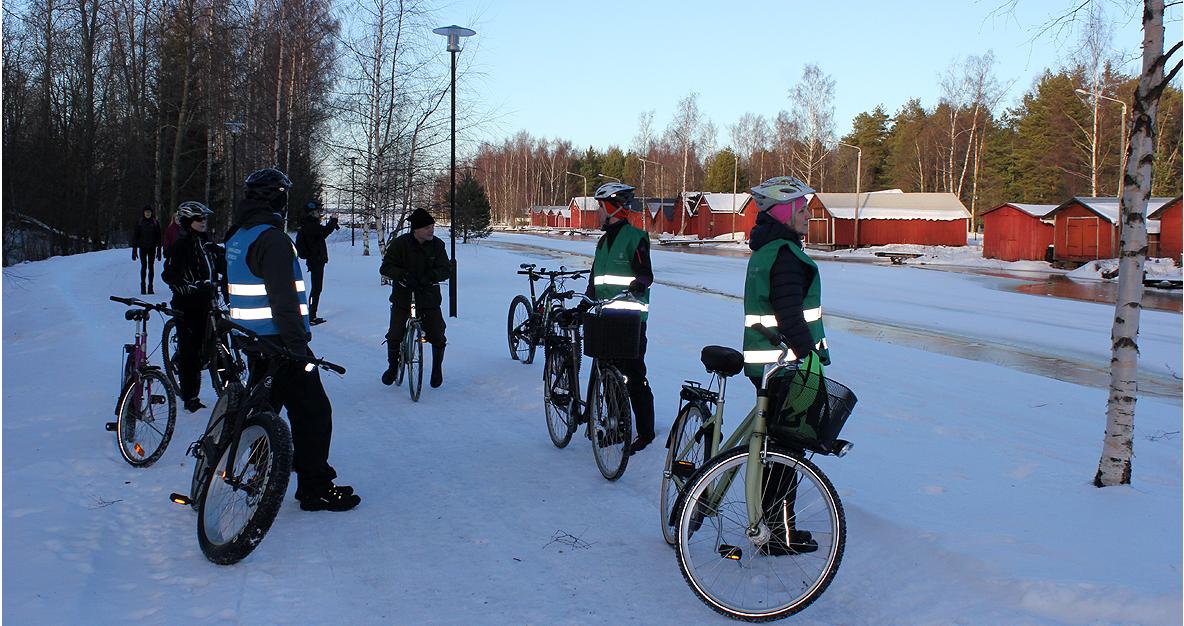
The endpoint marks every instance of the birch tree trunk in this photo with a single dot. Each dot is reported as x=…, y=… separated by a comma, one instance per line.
x=1114, y=468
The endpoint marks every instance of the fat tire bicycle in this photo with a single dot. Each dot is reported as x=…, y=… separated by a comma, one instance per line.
x=531, y=320
x=606, y=409
x=146, y=410
x=411, y=353
x=243, y=459
x=717, y=506
x=215, y=348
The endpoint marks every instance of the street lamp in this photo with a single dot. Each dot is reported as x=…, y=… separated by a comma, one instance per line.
x=858, y=171
x=235, y=127
x=609, y=177
x=644, y=209
x=1122, y=163
x=453, y=33
x=579, y=207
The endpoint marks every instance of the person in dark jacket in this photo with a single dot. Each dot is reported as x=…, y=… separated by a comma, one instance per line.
x=783, y=293
x=267, y=295
x=416, y=262
x=146, y=247
x=310, y=245
x=194, y=269
x=170, y=233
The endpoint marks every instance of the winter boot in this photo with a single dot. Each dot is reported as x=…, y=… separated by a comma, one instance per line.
x=787, y=540
x=437, y=364
x=331, y=498
x=194, y=405
x=392, y=370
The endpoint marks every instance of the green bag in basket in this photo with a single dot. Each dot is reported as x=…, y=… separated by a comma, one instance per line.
x=796, y=399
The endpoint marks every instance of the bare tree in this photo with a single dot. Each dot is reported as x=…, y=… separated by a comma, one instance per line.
x=812, y=100
x=684, y=129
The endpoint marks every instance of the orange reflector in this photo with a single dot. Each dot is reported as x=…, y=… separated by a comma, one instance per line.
x=139, y=450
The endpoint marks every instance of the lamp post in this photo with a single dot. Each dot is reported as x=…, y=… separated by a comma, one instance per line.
x=1122, y=163
x=643, y=196
x=609, y=177
x=858, y=171
x=235, y=127
x=735, y=180
x=578, y=207
x=453, y=33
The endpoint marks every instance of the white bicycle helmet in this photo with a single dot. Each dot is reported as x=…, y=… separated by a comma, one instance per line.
x=779, y=190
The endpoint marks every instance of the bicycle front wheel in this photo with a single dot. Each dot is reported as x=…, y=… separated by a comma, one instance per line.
x=685, y=454
x=520, y=330
x=559, y=395
x=413, y=358
x=612, y=423
x=146, y=417
x=235, y=511
x=788, y=560
x=169, y=344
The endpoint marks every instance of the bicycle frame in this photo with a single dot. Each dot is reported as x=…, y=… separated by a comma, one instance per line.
x=413, y=323
x=546, y=301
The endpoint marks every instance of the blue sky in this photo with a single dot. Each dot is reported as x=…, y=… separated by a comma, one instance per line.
x=584, y=72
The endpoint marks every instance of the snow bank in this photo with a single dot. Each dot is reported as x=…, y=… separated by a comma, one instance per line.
x=1107, y=269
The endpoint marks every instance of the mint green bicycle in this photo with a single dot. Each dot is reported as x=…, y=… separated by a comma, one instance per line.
x=758, y=528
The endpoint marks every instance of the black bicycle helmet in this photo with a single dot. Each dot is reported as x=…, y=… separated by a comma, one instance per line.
x=618, y=193
x=191, y=209
x=266, y=184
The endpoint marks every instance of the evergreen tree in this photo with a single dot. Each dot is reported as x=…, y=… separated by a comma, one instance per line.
x=869, y=131
x=472, y=208
x=718, y=177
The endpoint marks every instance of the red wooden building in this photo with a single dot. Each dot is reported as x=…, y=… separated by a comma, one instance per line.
x=678, y=215
x=932, y=219
x=1017, y=232
x=584, y=212
x=1087, y=228
x=661, y=212
x=718, y=214
x=1170, y=229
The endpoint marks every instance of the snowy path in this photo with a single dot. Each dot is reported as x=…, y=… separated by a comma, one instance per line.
x=964, y=504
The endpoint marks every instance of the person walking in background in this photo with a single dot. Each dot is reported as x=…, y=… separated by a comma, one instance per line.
x=310, y=246
x=416, y=262
x=171, y=232
x=146, y=247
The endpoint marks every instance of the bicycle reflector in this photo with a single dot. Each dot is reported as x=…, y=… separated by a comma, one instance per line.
x=730, y=552
x=308, y=367
x=180, y=499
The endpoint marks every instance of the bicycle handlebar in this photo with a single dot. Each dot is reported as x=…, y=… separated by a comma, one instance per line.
x=147, y=305
x=277, y=349
x=535, y=274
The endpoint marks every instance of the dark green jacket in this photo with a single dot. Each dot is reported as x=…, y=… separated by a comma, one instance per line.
x=415, y=266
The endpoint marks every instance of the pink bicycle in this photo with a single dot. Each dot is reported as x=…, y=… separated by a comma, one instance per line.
x=146, y=411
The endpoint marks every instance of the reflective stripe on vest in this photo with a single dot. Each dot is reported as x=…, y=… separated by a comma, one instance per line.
x=612, y=270
x=758, y=308
x=249, y=301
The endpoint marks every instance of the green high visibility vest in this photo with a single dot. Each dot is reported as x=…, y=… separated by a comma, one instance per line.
x=612, y=270
x=758, y=308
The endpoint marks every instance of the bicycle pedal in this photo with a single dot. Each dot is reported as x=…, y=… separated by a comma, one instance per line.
x=111, y=427
x=683, y=469
x=180, y=499
x=730, y=552
x=157, y=399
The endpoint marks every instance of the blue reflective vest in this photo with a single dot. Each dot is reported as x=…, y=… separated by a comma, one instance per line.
x=249, y=303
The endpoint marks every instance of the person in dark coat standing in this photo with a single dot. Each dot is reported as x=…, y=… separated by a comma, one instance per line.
x=416, y=262
x=146, y=247
x=170, y=233
x=194, y=269
x=267, y=296
x=310, y=245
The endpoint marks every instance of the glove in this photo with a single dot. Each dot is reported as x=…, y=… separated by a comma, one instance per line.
x=333, y=223
x=134, y=257
x=637, y=288
x=567, y=317
x=157, y=254
x=583, y=307
x=412, y=283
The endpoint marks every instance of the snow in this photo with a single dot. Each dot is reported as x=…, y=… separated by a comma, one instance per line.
x=1107, y=269
x=967, y=494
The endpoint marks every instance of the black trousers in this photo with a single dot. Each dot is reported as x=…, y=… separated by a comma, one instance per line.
x=433, y=324
x=191, y=331
x=640, y=394
x=309, y=414
x=147, y=267
x=780, y=491
x=316, y=276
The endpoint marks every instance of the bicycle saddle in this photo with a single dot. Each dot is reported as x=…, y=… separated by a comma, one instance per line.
x=722, y=360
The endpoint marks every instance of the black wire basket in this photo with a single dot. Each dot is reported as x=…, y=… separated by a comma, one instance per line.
x=818, y=427
x=613, y=334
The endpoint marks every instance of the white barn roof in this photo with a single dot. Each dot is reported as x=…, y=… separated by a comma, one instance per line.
x=894, y=206
x=725, y=202
x=584, y=203
x=1108, y=208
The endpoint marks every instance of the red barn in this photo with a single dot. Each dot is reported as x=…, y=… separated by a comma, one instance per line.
x=662, y=214
x=718, y=214
x=887, y=217
x=1087, y=228
x=1017, y=232
x=584, y=212
x=677, y=215
x=1170, y=229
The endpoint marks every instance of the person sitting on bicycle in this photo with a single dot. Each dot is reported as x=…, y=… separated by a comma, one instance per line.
x=267, y=295
x=193, y=269
x=622, y=263
x=783, y=292
x=416, y=262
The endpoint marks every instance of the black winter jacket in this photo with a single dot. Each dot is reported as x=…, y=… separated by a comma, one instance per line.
x=413, y=266
x=271, y=258
x=311, y=239
x=789, y=280
x=147, y=234
x=194, y=267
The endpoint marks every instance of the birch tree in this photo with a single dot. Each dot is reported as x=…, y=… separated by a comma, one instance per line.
x=813, y=102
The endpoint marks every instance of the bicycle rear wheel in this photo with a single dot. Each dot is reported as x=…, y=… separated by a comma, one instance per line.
x=146, y=416
x=169, y=344
x=559, y=395
x=612, y=423
x=235, y=512
x=413, y=358
x=685, y=454
x=520, y=330
x=767, y=576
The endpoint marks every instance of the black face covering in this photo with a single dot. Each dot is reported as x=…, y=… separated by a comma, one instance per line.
x=279, y=204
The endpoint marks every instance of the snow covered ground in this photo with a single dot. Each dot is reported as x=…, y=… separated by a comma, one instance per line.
x=967, y=496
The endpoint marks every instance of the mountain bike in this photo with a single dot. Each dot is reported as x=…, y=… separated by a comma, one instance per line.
x=608, y=335
x=532, y=319
x=146, y=410
x=411, y=354
x=243, y=460
x=213, y=347
x=758, y=528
